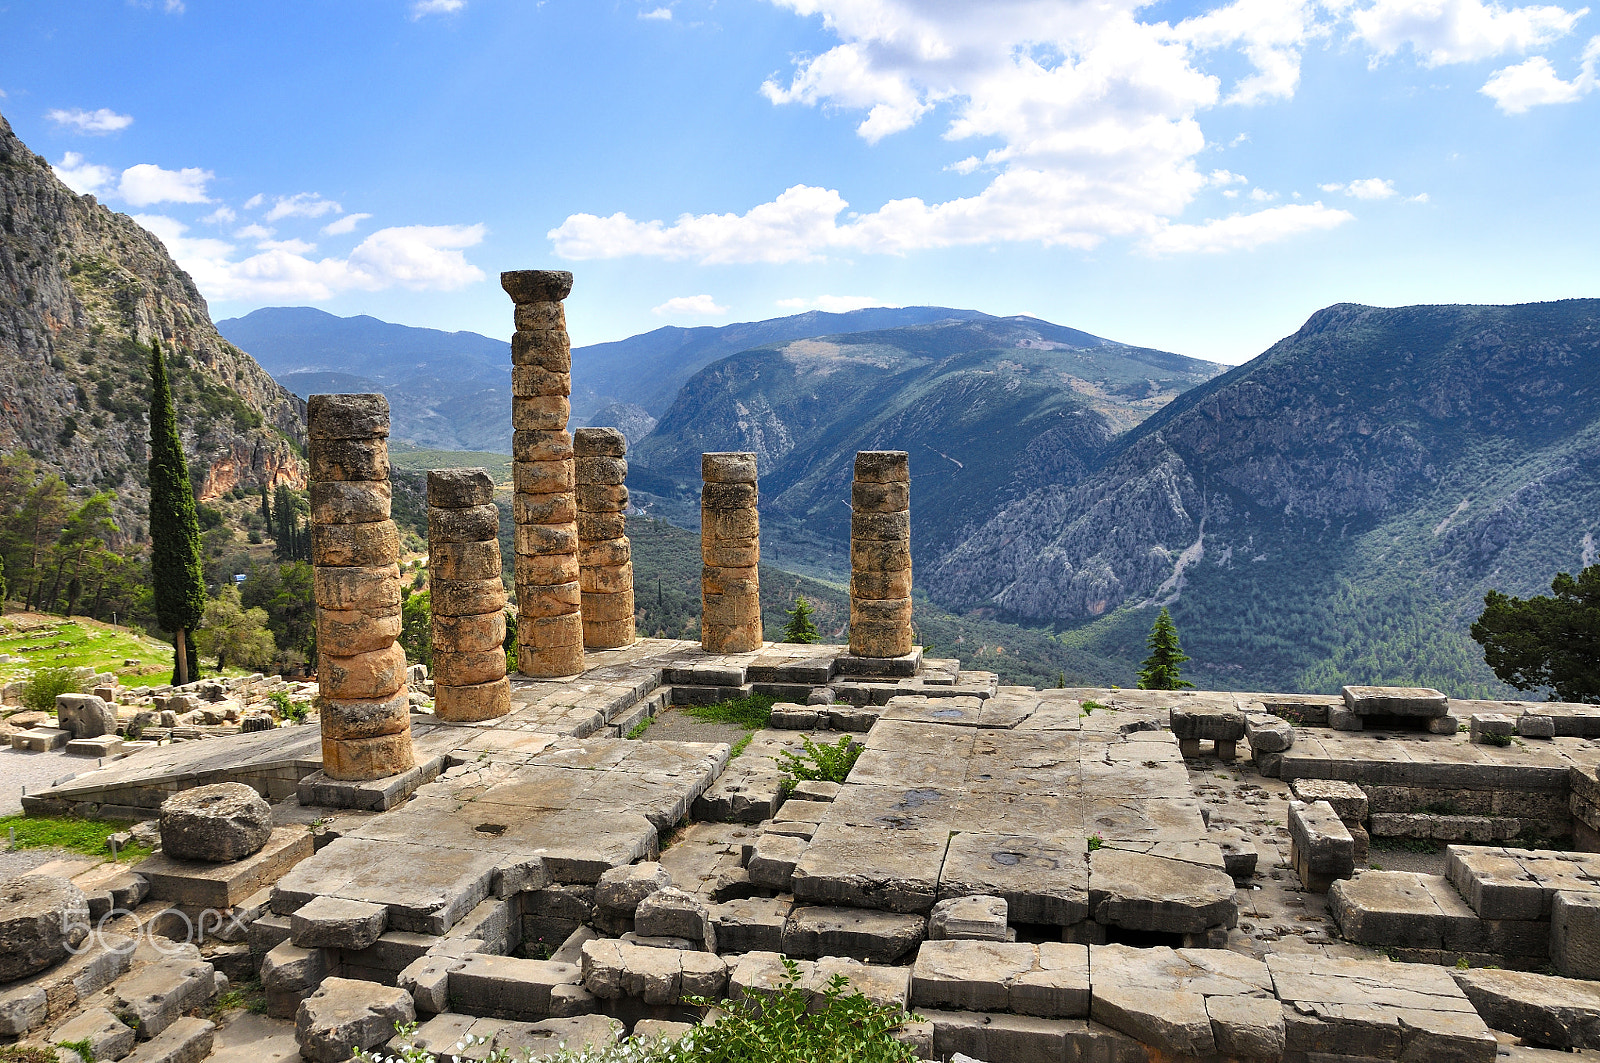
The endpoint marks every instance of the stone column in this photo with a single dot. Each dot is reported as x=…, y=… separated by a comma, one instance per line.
x=730, y=547
x=355, y=550
x=880, y=555
x=549, y=620
x=468, y=597
x=605, y=561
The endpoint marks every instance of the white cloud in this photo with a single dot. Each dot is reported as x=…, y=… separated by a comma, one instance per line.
x=661, y=14
x=690, y=306
x=104, y=120
x=255, y=201
x=221, y=216
x=81, y=176
x=419, y=257
x=1269, y=33
x=346, y=224
x=148, y=183
x=1459, y=31
x=1370, y=188
x=423, y=8
x=1224, y=178
x=1244, y=231
x=832, y=304
x=302, y=205
x=1261, y=195
x=293, y=247
x=254, y=232
x=1535, y=83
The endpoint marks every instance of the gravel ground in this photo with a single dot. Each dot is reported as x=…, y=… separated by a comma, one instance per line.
x=673, y=726
x=34, y=771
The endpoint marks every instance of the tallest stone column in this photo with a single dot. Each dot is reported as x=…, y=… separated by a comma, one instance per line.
x=544, y=508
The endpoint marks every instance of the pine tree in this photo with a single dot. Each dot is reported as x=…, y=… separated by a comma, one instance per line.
x=1160, y=669
x=175, y=573
x=800, y=628
x=1546, y=642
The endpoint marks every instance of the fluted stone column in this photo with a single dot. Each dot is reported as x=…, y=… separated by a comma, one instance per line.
x=549, y=617
x=730, y=547
x=605, y=560
x=355, y=550
x=468, y=597
x=880, y=555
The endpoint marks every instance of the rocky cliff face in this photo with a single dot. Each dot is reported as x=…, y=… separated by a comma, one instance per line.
x=83, y=290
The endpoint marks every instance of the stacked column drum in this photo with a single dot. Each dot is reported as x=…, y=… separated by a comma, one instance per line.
x=549, y=618
x=355, y=550
x=730, y=546
x=880, y=555
x=605, y=561
x=468, y=597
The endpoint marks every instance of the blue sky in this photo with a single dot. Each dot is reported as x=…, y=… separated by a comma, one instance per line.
x=1197, y=177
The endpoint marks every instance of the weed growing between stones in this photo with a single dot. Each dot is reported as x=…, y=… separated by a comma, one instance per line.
x=820, y=762
x=28, y=1054
x=752, y=713
x=83, y=1048
x=637, y=730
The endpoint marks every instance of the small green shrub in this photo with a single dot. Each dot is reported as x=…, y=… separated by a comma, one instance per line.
x=28, y=1054
x=820, y=762
x=40, y=692
x=1495, y=740
x=1095, y=842
x=294, y=711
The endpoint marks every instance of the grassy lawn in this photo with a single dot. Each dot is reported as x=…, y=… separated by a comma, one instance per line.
x=90, y=643
x=86, y=836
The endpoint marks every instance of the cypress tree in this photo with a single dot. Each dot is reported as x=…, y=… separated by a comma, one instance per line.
x=1160, y=669
x=800, y=628
x=175, y=573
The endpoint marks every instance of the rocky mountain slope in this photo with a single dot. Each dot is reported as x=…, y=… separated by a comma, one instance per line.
x=1331, y=511
x=82, y=292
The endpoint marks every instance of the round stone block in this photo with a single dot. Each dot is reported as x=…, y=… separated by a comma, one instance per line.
x=728, y=496
x=549, y=349
x=881, y=527
x=219, y=823
x=347, y=632
x=460, y=488
x=42, y=918
x=601, y=470
x=468, y=669
x=602, y=498
x=473, y=524
x=546, y=538
x=730, y=580
x=546, y=414
x=880, y=611
x=731, y=553
x=548, y=662
x=452, y=561
x=608, y=553
x=729, y=610
x=359, y=759
x=608, y=607
x=599, y=527
x=534, y=382
x=539, y=316
x=564, y=630
x=470, y=634
x=558, y=507
x=881, y=585
x=468, y=597
x=364, y=545
x=545, y=570
x=886, y=640
x=542, y=477
x=547, y=600
x=883, y=466
x=741, y=638
x=347, y=416
x=867, y=497
x=608, y=634
x=371, y=589
x=374, y=674
x=536, y=285
x=349, y=502
x=348, y=459
x=606, y=580
x=720, y=524
x=867, y=555
x=730, y=467
x=469, y=704
x=541, y=446
x=362, y=718
x=600, y=443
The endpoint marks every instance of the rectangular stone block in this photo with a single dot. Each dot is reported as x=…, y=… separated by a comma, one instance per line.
x=204, y=885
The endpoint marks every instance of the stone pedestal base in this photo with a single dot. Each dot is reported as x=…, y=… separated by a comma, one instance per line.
x=378, y=795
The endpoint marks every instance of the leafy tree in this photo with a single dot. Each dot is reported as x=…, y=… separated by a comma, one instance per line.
x=416, y=628
x=39, y=692
x=233, y=634
x=285, y=593
x=90, y=529
x=180, y=593
x=1160, y=669
x=800, y=627
x=1546, y=642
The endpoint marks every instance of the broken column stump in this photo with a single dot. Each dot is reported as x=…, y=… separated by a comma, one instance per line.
x=730, y=547
x=549, y=617
x=355, y=550
x=605, y=560
x=880, y=555
x=468, y=597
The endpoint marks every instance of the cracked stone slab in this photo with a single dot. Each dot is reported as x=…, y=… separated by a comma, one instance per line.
x=1042, y=880
x=867, y=867
x=1140, y=892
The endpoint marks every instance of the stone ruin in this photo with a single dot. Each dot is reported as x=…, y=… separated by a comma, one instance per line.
x=1042, y=875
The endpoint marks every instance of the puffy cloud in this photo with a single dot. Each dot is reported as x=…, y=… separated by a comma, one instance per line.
x=221, y=216
x=660, y=14
x=302, y=205
x=99, y=122
x=255, y=201
x=419, y=257
x=346, y=224
x=832, y=304
x=82, y=176
x=1269, y=33
x=254, y=232
x=424, y=8
x=1535, y=83
x=1366, y=188
x=1459, y=31
x=147, y=183
x=1244, y=231
x=690, y=306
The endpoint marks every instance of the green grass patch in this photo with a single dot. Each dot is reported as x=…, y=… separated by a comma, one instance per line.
x=28, y=1054
x=246, y=995
x=638, y=729
x=752, y=713
x=84, y=643
x=86, y=836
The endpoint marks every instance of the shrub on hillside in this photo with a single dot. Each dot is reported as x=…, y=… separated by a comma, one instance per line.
x=40, y=693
